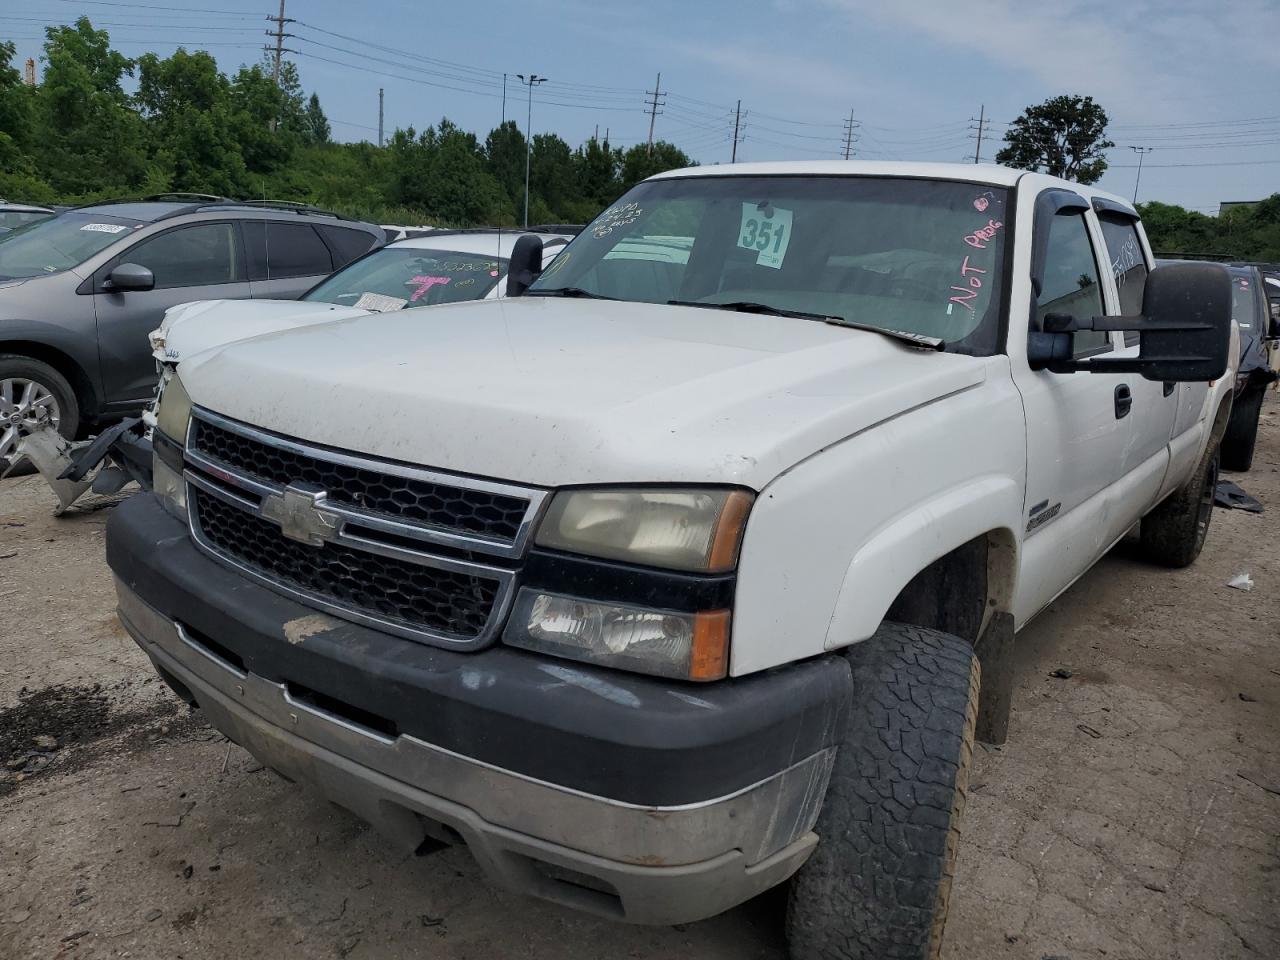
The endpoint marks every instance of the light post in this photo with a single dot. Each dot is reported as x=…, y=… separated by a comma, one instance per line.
x=529, y=81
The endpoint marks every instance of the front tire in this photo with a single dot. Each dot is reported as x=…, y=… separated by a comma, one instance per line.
x=879, y=884
x=1173, y=533
x=1242, y=432
x=31, y=393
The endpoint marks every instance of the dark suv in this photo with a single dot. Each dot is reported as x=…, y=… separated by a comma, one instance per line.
x=80, y=292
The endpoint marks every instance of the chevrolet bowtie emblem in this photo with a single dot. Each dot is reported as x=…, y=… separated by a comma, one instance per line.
x=302, y=515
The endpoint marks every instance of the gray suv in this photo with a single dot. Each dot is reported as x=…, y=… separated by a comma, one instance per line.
x=80, y=292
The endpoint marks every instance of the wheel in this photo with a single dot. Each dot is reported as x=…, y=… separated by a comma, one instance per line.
x=878, y=885
x=1173, y=533
x=31, y=393
x=1242, y=432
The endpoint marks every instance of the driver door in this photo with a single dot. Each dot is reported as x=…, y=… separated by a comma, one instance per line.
x=201, y=261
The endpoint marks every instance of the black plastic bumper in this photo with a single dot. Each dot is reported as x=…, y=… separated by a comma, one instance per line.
x=611, y=734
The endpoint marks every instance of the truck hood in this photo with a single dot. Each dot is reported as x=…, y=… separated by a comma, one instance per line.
x=192, y=327
x=554, y=391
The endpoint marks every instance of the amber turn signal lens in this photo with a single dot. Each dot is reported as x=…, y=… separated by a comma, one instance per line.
x=709, y=659
x=729, y=529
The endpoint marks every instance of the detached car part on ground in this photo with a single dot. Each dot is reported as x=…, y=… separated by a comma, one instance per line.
x=450, y=267
x=694, y=567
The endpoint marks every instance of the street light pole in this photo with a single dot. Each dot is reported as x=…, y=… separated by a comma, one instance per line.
x=529, y=81
x=1141, y=152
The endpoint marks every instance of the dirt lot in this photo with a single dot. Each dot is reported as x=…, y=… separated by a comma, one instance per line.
x=1135, y=812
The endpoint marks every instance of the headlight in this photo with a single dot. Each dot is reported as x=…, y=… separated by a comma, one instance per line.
x=171, y=420
x=690, y=646
x=679, y=529
x=175, y=411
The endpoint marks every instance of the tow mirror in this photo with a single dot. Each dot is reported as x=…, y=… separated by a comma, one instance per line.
x=130, y=276
x=525, y=265
x=1185, y=329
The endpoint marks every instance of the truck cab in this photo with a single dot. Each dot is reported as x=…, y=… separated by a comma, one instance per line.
x=694, y=566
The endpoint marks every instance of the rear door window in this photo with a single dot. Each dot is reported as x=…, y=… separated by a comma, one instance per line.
x=1128, y=265
x=346, y=244
x=281, y=250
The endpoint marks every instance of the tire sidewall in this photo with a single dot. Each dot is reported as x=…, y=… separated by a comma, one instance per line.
x=28, y=368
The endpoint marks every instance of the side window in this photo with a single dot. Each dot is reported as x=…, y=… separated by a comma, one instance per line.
x=346, y=244
x=1128, y=265
x=1071, y=282
x=199, y=255
x=278, y=251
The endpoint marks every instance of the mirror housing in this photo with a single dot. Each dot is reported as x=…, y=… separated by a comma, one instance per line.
x=130, y=276
x=1185, y=329
x=525, y=265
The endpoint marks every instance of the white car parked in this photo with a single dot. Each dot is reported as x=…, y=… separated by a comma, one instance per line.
x=694, y=566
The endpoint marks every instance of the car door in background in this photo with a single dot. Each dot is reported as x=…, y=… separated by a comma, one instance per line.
x=202, y=261
x=285, y=259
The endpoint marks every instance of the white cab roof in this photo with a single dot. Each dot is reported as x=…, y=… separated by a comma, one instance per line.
x=486, y=243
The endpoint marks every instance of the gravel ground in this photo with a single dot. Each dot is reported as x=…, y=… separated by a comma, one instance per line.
x=1134, y=813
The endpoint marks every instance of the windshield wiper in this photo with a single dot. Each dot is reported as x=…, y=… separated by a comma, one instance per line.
x=568, y=292
x=752, y=306
x=918, y=340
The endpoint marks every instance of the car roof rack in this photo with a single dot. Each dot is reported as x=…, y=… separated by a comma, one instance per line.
x=198, y=202
x=282, y=206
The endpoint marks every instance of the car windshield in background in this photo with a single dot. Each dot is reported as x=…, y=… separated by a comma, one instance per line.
x=394, y=278
x=1244, y=301
x=59, y=244
x=923, y=257
x=17, y=219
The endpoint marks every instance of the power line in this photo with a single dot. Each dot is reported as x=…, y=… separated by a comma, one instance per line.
x=1141, y=152
x=850, y=137
x=151, y=6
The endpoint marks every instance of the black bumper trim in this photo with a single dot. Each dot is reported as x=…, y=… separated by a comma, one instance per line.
x=629, y=738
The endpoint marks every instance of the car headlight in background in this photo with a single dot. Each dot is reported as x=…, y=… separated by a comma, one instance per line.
x=172, y=417
x=688, y=646
x=697, y=530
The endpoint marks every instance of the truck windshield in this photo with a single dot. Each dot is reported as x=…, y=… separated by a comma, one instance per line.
x=59, y=244
x=923, y=257
x=397, y=277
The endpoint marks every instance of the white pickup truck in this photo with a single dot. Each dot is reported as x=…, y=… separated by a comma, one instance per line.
x=694, y=567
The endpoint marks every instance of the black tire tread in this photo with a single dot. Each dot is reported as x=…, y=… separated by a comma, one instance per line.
x=878, y=885
x=1170, y=534
x=1242, y=431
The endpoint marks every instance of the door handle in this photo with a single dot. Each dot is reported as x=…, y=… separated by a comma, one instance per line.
x=1124, y=401
x=1168, y=387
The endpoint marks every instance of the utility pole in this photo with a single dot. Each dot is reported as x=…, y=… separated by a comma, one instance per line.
x=1141, y=152
x=530, y=82
x=29, y=72
x=982, y=128
x=279, y=34
x=850, y=138
x=504, y=99
x=737, y=124
x=655, y=93
x=380, y=102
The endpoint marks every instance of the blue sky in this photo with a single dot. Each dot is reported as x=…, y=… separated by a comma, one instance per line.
x=1198, y=83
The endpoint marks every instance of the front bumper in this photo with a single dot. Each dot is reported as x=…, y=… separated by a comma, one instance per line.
x=264, y=669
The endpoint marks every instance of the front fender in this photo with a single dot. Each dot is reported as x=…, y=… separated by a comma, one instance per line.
x=887, y=562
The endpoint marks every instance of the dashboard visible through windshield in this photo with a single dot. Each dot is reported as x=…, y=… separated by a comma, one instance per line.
x=923, y=257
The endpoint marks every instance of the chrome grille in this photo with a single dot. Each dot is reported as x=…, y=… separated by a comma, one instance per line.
x=418, y=553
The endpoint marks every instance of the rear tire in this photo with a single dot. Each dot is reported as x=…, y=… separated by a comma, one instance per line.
x=1173, y=533
x=1242, y=432
x=23, y=380
x=879, y=883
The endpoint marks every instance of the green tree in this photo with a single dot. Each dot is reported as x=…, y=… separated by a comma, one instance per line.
x=90, y=140
x=642, y=161
x=256, y=103
x=552, y=178
x=598, y=165
x=1063, y=137
x=316, y=128
x=442, y=172
x=187, y=105
x=504, y=151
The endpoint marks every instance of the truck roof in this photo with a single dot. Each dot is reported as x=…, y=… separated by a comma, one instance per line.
x=480, y=243
x=988, y=173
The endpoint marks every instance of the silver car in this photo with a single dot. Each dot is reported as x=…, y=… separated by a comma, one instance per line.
x=80, y=292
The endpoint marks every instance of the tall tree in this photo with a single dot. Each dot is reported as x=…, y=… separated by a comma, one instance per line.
x=315, y=123
x=91, y=141
x=504, y=151
x=1064, y=136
